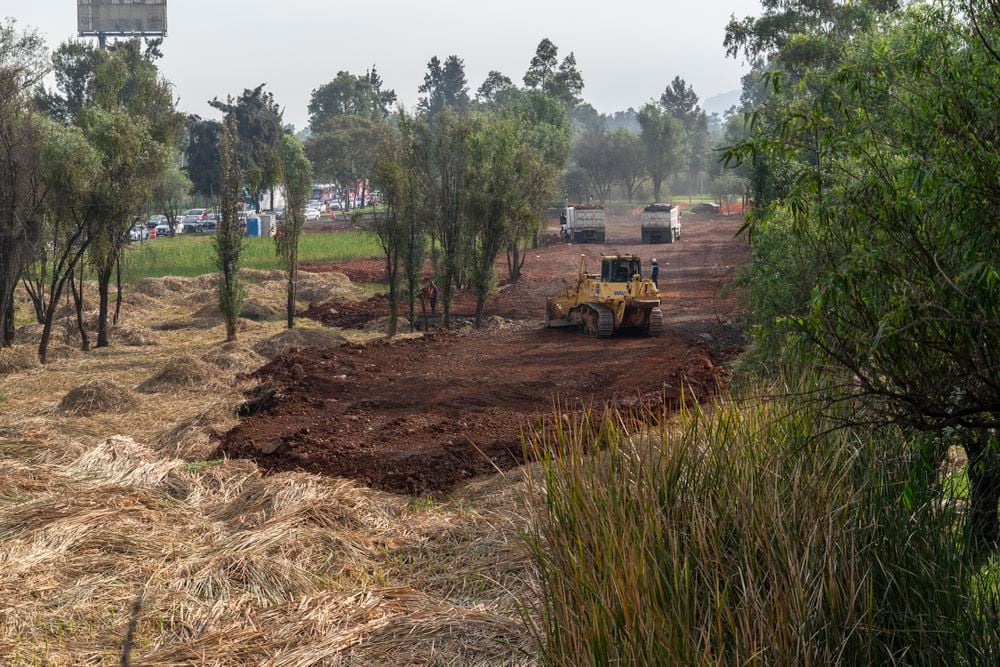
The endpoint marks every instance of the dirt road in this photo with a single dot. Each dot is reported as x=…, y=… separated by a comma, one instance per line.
x=419, y=416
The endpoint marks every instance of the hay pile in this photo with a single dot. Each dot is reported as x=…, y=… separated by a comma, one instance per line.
x=121, y=460
x=324, y=287
x=259, y=310
x=97, y=397
x=182, y=372
x=290, y=339
x=140, y=303
x=194, y=438
x=234, y=357
x=134, y=335
x=18, y=358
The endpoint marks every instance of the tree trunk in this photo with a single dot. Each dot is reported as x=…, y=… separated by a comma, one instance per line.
x=984, y=491
x=104, y=294
x=290, y=304
x=77, y=290
x=480, y=307
x=7, y=328
x=118, y=290
x=656, y=189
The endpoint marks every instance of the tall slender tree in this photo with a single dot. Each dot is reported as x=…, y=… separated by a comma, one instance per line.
x=296, y=179
x=229, y=237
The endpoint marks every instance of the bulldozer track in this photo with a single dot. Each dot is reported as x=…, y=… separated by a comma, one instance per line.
x=655, y=322
x=605, y=320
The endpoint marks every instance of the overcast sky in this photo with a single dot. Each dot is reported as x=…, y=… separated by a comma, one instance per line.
x=627, y=51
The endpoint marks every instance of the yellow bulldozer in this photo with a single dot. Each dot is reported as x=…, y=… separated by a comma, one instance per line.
x=601, y=304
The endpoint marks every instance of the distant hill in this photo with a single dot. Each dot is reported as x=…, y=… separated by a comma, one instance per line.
x=720, y=103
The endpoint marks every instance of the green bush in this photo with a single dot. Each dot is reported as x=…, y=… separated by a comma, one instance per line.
x=749, y=534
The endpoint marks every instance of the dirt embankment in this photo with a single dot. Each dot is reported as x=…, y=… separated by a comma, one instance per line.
x=421, y=415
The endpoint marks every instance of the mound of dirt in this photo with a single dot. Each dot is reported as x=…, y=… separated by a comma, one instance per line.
x=348, y=314
x=235, y=358
x=180, y=373
x=293, y=339
x=95, y=397
x=381, y=324
x=18, y=358
x=134, y=335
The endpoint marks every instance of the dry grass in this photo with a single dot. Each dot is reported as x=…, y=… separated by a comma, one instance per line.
x=18, y=358
x=97, y=396
x=235, y=357
x=104, y=514
x=134, y=334
x=183, y=371
x=300, y=337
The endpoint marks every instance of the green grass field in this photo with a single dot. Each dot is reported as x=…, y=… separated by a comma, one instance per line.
x=195, y=255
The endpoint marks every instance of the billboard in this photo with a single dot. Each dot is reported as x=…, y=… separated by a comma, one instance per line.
x=121, y=17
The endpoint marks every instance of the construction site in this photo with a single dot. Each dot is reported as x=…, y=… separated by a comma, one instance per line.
x=320, y=494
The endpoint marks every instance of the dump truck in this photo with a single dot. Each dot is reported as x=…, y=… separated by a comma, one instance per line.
x=602, y=303
x=661, y=223
x=583, y=224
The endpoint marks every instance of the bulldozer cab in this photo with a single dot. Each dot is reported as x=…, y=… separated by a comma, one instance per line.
x=620, y=269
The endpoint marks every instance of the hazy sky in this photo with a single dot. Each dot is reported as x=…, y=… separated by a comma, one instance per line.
x=627, y=51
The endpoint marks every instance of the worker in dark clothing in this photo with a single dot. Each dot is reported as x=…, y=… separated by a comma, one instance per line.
x=655, y=273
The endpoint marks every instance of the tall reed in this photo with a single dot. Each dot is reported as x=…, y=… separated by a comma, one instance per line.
x=748, y=534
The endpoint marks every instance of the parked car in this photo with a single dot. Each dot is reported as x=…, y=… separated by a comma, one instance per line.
x=164, y=228
x=312, y=214
x=155, y=220
x=705, y=207
x=335, y=205
x=139, y=231
x=209, y=223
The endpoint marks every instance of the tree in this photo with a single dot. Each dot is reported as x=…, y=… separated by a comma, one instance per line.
x=203, y=164
x=74, y=65
x=71, y=169
x=595, y=155
x=22, y=67
x=229, y=237
x=496, y=89
x=132, y=123
x=897, y=184
x=508, y=182
x=342, y=150
x=390, y=175
x=350, y=95
x=443, y=172
x=680, y=101
x=171, y=192
x=132, y=162
x=296, y=179
x=444, y=86
x=562, y=81
x=630, y=170
x=662, y=143
x=547, y=128
x=259, y=124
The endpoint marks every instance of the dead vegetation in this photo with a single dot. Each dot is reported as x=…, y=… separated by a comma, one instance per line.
x=117, y=511
x=97, y=396
x=299, y=337
x=181, y=372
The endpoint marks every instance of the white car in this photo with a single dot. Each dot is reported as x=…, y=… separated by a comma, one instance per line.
x=312, y=214
x=164, y=228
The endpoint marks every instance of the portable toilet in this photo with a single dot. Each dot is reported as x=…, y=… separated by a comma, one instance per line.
x=266, y=224
x=253, y=227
